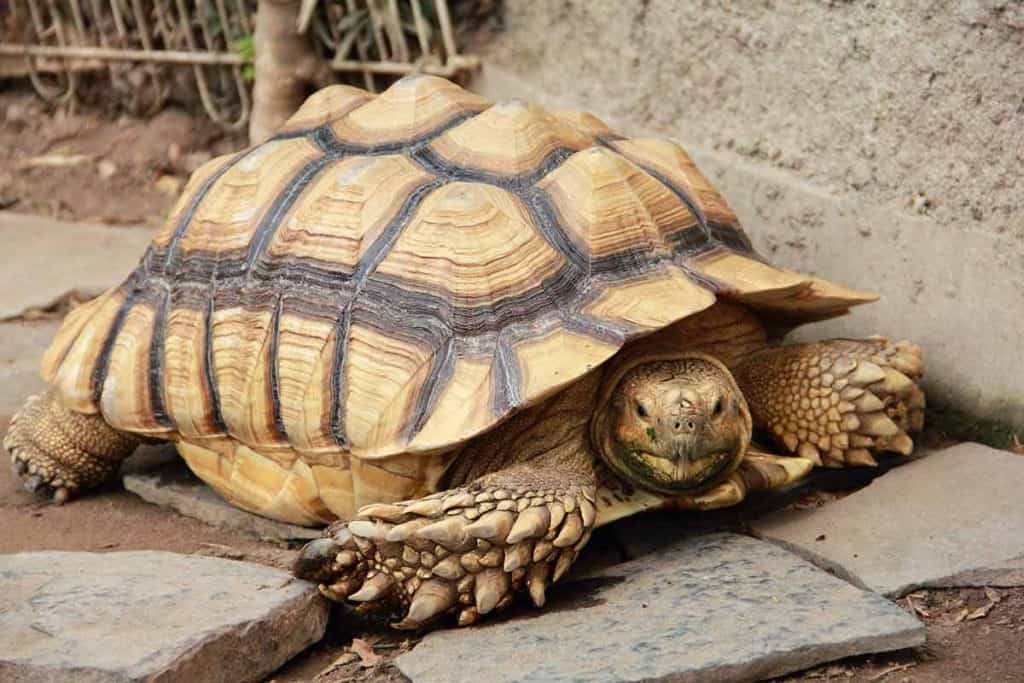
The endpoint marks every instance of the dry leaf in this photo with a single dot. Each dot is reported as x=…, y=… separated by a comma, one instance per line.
x=338, y=663
x=917, y=608
x=993, y=595
x=225, y=551
x=963, y=615
x=891, y=670
x=54, y=161
x=365, y=652
x=981, y=612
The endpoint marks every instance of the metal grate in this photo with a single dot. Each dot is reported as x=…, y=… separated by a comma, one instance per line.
x=139, y=41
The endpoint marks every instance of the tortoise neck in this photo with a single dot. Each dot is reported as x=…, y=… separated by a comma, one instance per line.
x=552, y=431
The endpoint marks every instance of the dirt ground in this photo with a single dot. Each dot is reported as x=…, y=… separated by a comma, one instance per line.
x=87, y=166
x=973, y=634
x=92, y=167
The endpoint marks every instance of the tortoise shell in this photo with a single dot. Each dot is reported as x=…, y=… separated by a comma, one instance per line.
x=398, y=273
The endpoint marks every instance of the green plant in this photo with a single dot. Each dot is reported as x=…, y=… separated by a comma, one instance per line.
x=246, y=49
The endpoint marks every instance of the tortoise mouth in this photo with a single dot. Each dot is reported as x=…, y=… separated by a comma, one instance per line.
x=678, y=473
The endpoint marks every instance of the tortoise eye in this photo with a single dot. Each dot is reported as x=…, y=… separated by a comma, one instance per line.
x=717, y=409
x=641, y=411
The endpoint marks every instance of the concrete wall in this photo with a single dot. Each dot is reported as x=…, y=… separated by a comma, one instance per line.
x=878, y=143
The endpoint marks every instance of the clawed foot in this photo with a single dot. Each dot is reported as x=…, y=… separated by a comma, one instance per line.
x=45, y=442
x=879, y=401
x=467, y=550
x=837, y=402
x=39, y=473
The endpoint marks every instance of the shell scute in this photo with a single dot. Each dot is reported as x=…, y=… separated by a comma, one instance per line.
x=610, y=206
x=127, y=398
x=187, y=394
x=324, y=106
x=241, y=339
x=344, y=211
x=202, y=176
x=228, y=216
x=471, y=245
x=509, y=139
x=413, y=107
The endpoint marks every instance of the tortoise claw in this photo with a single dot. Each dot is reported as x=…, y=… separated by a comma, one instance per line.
x=316, y=559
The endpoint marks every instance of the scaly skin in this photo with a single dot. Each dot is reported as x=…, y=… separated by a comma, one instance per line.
x=60, y=452
x=836, y=402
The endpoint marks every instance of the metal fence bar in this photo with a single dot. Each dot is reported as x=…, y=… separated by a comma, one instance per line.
x=370, y=37
x=118, y=55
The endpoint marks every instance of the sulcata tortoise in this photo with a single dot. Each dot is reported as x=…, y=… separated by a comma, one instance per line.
x=465, y=333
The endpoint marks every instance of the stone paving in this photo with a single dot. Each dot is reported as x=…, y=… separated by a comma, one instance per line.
x=22, y=344
x=45, y=260
x=717, y=607
x=951, y=518
x=137, y=616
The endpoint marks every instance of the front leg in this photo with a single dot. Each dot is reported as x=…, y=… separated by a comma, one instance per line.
x=466, y=550
x=837, y=402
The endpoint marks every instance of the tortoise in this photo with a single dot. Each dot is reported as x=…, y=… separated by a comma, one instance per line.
x=463, y=334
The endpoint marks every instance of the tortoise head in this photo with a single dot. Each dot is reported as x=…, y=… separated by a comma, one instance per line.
x=672, y=425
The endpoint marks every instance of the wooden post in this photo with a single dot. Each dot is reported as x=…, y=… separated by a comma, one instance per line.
x=286, y=67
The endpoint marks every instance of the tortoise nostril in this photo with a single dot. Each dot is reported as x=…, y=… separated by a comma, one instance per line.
x=678, y=425
x=691, y=426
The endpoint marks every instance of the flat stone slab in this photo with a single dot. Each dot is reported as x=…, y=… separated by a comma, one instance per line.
x=716, y=607
x=137, y=616
x=22, y=344
x=45, y=260
x=170, y=483
x=952, y=518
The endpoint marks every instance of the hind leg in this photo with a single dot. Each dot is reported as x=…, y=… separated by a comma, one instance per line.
x=836, y=402
x=59, y=452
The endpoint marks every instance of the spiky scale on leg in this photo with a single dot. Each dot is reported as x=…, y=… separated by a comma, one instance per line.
x=488, y=556
x=837, y=402
x=60, y=452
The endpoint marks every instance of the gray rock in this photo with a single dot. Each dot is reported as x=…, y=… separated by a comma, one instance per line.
x=952, y=518
x=717, y=607
x=45, y=260
x=22, y=345
x=89, y=617
x=170, y=483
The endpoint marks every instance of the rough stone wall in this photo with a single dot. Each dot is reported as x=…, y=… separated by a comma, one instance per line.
x=879, y=143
